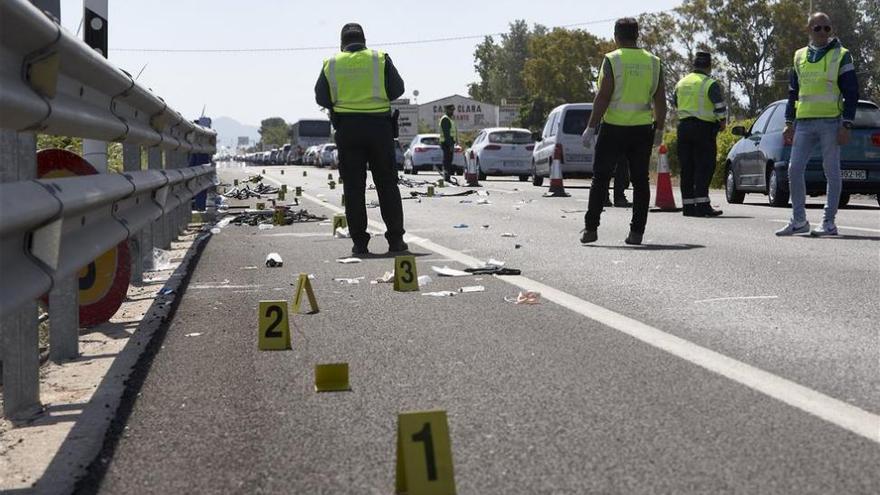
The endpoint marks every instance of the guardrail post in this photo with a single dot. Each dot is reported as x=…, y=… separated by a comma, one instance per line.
x=131, y=162
x=19, y=338
x=154, y=230
x=64, y=319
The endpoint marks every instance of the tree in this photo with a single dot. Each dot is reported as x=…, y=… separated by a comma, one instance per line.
x=500, y=66
x=273, y=132
x=562, y=67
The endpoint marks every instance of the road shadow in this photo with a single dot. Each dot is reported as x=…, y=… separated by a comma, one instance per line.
x=380, y=256
x=848, y=237
x=817, y=206
x=649, y=247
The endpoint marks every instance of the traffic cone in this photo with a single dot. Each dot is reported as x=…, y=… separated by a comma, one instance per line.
x=557, y=190
x=471, y=175
x=664, y=200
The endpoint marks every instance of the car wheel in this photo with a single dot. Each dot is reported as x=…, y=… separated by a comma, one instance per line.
x=537, y=181
x=776, y=196
x=733, y=196
x=523, y=178
x=844, y=200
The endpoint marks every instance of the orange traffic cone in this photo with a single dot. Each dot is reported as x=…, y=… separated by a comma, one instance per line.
x=557, y=189
x=471, y=174
x=664, y=200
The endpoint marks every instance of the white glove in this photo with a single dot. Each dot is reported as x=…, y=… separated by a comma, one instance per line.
x=589, y=137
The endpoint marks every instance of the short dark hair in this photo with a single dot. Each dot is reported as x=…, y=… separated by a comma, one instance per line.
x=627, y=29
x=352, y=33
x=702, y=60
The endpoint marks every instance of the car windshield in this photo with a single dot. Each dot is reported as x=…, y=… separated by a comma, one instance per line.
x=867, y=116
x=510, y=137
x=431, y=141
x=575, y=121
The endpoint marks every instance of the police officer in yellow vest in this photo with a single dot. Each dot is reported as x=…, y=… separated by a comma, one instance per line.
x=357, y=85
x=822, y=98
x=448, y=140
x=630, y=81
x=701, y=114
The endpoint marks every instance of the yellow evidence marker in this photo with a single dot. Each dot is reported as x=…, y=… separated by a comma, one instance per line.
x=430, y=191
x=330, y=176
x=424, y=454
x=274, y=327
x=332, y=184
x=339, y=221
x=331, y=377
x=299, y=191
x=406, y=276
x=305, y=173
x=261, y=206
x=304, y=285
x=278, y=216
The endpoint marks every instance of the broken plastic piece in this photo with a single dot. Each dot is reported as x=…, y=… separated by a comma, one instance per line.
x=527, y=297
x=348, y=261
x=442, y=293
x=472, y=288
x=508, y=234
x=449, y=272
x=342, y=233
x=424, y=280
x=265, y=226
x=460, y=226
x=274, y=260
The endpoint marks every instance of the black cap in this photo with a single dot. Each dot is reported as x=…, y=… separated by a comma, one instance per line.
x=702, y=59
x=352, y=33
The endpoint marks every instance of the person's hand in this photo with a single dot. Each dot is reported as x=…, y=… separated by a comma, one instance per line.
x=788, y=133
x=843, y=136
x=589, y=137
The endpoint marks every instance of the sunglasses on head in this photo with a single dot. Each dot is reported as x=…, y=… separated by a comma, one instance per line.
x=816, y=29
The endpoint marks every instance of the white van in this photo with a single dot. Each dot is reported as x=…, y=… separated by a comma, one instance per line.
x=561, y=138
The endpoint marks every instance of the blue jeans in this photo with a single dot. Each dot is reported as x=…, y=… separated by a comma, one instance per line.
x=807, y=134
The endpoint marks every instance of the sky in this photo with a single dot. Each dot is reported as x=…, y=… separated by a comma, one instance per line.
x=252, y=86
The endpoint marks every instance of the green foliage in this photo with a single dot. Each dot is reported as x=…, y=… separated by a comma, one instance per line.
x=273, y=132
x=726, y=140
x=500, y=65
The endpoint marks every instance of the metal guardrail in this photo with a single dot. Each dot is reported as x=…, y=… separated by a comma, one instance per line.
x=53, y=83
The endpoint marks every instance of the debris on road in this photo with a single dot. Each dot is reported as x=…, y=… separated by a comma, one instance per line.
x=246, y=192
x=442, y=293
x=494, y=262
x=493, y=270
x=194, y=334
x=472, y=288
x=483, y=201
x=508, y=234
x=449, y=272
x=349, y=281
x=342, y=233
x=384, y=279
x=460, y=226
x=348, y=261
x=274, y=260
x=526, y=297
x=161, y=260
x=265, y=226
x=289, y=216
x=166, y=292
x=424, y=280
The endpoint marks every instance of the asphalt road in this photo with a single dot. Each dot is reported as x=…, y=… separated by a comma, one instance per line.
x=715, y=358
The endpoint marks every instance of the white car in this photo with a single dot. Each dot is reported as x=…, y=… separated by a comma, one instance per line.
x=310, y=156
x=561, y=138
x=424, y=153
x=325, y=155
x=502, y=151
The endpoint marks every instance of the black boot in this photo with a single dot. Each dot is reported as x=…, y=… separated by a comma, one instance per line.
x=706, y=210
x=689, y=210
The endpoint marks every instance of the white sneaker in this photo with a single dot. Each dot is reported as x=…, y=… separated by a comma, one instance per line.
x=825, y=230
x=792, y=229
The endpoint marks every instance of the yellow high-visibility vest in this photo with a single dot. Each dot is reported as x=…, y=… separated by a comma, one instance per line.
x=692, y=95
x=357, y=82
x=636, y=78
x=453, y=129
x=819, y=97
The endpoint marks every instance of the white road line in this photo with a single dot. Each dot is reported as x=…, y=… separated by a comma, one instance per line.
x=739, y=298
x=298, y=234
x=862, y=229
x=832, y=410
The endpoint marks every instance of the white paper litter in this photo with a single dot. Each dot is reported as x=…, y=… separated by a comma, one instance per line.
x=442, y=293
x=225, y=221
x=494, y=262
x=482, y=193
x=342, y=233
x=449, y=272
x=349, y=281
x=161, y=260
x=194, y=334
x=265, y=226
x=508, y=234
x=384, y=279
x=424, y=280
x=483, y=201
x=348, y=261
x=472, y=288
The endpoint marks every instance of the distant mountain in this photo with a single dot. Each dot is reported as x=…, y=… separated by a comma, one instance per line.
x=229, y=129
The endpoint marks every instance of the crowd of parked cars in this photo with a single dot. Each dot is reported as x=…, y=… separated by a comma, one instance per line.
x=757, y=163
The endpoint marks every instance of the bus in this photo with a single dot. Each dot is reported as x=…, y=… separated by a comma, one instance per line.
x=305, y=133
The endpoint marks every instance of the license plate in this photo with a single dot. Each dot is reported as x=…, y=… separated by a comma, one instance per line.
x=513, y=163
x=854, y=174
